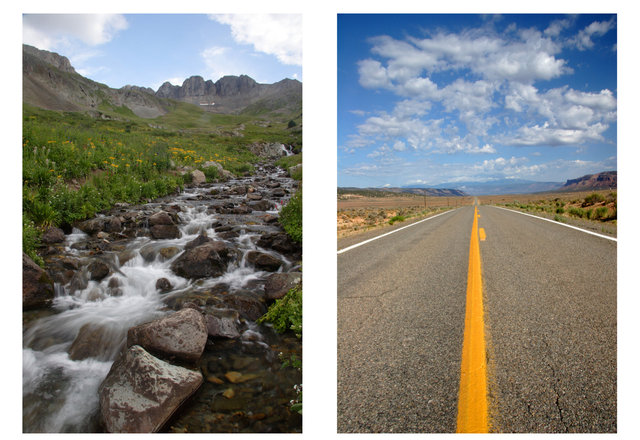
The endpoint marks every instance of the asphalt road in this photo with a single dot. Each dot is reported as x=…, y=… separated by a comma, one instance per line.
x=550, y=324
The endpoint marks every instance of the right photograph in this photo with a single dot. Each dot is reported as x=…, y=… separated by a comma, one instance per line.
x=477, y=223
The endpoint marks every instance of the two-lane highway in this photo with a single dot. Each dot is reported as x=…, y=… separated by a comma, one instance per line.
x=549, y=315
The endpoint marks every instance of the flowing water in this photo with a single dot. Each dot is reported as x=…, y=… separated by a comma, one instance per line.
x=60, y=391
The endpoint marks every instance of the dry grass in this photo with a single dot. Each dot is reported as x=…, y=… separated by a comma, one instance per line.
x=357, y=214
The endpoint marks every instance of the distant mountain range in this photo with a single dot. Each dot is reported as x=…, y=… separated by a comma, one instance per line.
x=382, y=192
x=502, y=186
x=51, y=82
x=599, y=181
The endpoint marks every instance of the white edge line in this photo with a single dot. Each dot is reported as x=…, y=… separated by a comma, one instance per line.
x=558, y=223
x=391, y=232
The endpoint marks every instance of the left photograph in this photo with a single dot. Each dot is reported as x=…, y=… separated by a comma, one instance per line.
x=162, y=223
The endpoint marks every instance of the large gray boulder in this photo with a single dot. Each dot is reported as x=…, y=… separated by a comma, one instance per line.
x=37, y=287
x=141, y=392
x=182, y=335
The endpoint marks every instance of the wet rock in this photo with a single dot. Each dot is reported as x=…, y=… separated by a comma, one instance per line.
x=113, y=224
x=78, y=282
x=263, y=261
x=149, y=252
x=163, y=285
x=207, y=260
x=165, y=232
x=102, y=235
x=237, y=377
x=53, y=235
x=92, y=226
x=254, y=196
x=161, y=218
x=260, y=205
x=98, y=270
x=169, y=252
x=141, y=393
x=70, y=263
x=278, y=192
x=242, y=209
x=125, y=256
x=248, y=306
x=279, y=242
x=92, y=341
x=269, y=218
x=182, y=335
x=239, y=190
x=222, y=327
x=37, y=287
x=113, y=288
x=228, y=235
x=199, y=240
x=278, y=284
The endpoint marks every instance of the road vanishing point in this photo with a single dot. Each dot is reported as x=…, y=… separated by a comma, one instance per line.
x=478, y=320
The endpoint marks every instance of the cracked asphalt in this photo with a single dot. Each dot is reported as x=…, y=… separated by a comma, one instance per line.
x=550, y=318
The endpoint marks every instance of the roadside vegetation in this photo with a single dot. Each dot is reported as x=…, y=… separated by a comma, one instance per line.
x=353, y=221
x=600, y=207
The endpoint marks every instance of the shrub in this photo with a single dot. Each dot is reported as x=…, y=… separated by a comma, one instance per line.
x=396, y=218
x=601, y=212
x=211, y=173
x=291, y=217
x=30, y=240
x=576, y=212
x=592, y=199
x=286, y=313
x=560, y=210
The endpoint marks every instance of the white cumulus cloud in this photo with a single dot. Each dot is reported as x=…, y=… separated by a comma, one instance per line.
x=53, y=31
x=274, y=34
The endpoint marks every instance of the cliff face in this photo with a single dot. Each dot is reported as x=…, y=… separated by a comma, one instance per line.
x=49, y=81
x=604, y=180
x=236, y=94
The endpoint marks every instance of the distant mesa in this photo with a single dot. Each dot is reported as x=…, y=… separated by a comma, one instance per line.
x=51, y=82
x=604, y=180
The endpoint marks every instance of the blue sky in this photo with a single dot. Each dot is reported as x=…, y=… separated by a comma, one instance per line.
x=430, y=99
x=149, y=49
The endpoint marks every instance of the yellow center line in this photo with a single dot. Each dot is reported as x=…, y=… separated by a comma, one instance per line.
x=472, y=397
x=483, y=235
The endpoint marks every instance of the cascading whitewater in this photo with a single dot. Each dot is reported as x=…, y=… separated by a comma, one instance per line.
x=60, y=393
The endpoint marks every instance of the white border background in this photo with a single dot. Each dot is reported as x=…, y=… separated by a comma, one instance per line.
x=320, y=135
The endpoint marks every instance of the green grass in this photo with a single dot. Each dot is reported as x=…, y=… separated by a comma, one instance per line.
x=75, y=166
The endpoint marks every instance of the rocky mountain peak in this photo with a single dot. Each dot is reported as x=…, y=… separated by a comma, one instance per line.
x=58, y=61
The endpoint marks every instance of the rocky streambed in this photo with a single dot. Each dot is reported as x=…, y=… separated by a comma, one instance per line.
x=144, y=320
